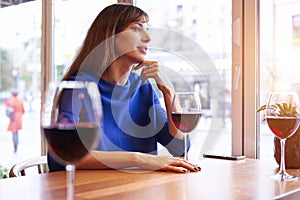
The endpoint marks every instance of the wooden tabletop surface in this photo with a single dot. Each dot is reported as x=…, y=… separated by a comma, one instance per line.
x=219, y=179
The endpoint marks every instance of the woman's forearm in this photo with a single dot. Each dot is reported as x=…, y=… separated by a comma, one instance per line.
x=168, y=93
x=108, y=160
x=120, y=159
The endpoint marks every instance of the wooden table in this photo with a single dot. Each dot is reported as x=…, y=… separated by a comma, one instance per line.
x=219, y=179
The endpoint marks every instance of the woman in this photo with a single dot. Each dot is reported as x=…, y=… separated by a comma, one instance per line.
x=134, y=121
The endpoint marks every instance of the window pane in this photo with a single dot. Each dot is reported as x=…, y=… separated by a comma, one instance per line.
x=279, y=56
x=70, y=28
x=20, y=40
x=178, y=28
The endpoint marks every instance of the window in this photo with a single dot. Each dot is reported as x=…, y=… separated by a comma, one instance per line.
x=226, y=33
x=296, y=30
x=178, y=27
x=230, y=35
x=20, y=64
x=20, y=68
x=279, y=56
x=70, y=29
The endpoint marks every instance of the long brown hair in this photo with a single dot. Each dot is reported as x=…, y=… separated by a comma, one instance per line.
x=97, y=50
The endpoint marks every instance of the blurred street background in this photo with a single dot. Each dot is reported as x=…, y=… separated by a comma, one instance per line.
x=29, y=138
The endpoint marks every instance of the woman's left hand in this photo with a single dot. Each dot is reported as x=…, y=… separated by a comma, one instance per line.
x=150, y=69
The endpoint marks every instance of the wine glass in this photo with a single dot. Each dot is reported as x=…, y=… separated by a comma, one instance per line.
x=282, y=115
x=186, y=113
x=71, y=121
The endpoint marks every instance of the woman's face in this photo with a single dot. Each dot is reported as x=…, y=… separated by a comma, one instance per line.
x=132, y=42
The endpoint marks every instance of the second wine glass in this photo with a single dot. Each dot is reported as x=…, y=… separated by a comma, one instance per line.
x=71, y=120
x=282, y=115
x=186, y=113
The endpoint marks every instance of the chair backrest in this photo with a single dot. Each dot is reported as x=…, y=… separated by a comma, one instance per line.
x=19, y=169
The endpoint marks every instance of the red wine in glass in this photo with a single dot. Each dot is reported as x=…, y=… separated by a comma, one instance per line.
x=283, y=127
x=70, y=144
x=186, y=112
x=186, y=122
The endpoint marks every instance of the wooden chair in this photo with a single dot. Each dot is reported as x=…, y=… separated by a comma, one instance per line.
x=19, y=168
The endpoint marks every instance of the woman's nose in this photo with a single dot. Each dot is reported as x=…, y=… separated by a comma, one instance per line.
x=146, y=37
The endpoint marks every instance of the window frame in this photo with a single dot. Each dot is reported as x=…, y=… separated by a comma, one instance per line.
x=245, y=77
x=47, y=68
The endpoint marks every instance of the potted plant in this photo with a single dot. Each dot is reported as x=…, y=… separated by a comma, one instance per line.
x=3, y=172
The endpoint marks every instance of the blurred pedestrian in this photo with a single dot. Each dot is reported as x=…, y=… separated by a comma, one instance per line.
x=16, y=106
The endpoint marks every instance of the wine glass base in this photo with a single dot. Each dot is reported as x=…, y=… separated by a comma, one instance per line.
x=283, y=177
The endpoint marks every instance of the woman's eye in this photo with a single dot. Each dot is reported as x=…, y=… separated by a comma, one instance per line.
x=136, y=29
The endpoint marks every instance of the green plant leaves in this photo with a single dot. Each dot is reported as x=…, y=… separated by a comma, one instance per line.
x=281, y=109
x=3, y=172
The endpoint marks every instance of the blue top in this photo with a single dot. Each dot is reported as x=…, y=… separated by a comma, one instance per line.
x=133, y=118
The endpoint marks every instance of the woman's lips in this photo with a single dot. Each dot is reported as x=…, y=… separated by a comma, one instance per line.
x=143, y=49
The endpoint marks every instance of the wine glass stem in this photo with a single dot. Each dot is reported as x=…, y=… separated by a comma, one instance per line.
x=185, y=146
x=70, y=168
x=282, y=159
